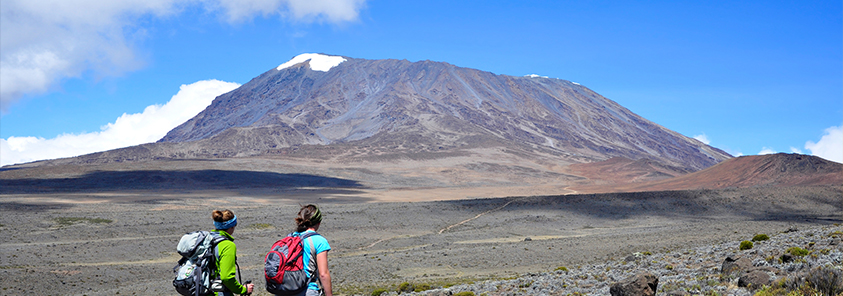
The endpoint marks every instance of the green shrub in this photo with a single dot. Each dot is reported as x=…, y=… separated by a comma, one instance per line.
x=797, y=251
x=421, y=287
x=562, y=268
x=746, y=245
x=405, y=287
x=465, y=293
x=378, y=291
x=760, y=237
x=819, y=281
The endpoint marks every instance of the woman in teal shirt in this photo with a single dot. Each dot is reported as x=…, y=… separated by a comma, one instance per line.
x=309, y=219
x=225, y=222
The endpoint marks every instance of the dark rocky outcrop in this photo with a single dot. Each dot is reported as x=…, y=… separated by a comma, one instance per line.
x=754, y=279
x=734, y=265
x=642, y=284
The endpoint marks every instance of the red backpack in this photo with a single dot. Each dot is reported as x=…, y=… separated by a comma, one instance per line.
x=284, y=268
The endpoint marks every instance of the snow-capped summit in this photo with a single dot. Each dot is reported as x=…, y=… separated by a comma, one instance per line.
x=536, y=76
x=318, y=62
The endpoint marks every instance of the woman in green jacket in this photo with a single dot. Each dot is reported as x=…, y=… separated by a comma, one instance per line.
x=225, y=222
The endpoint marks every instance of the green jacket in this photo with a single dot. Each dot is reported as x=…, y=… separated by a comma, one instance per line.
x=226, y=264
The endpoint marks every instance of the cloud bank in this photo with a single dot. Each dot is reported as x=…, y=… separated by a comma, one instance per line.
x=43, y=42
x=830, y=145
x=129, y=129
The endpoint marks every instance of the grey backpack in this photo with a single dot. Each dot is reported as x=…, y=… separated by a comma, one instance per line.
x=196, y=270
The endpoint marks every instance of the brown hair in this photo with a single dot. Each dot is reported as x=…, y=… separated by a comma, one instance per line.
x=304, y=219
x=222, y=216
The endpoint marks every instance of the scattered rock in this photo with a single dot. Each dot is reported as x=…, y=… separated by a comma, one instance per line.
x=735, y=264
x=634, y=256
x=642, y=284
x=528, y=239
x=440, y=293
x=754, y=279
x=786, y=258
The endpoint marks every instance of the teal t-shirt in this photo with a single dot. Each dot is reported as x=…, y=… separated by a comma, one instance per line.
x=321, y=245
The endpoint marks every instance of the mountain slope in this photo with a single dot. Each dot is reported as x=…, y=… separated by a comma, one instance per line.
x=778, y=170
x=397, y=106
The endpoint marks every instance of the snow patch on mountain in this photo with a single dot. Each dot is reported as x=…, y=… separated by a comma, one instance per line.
x=318, y=62
x=536, y=76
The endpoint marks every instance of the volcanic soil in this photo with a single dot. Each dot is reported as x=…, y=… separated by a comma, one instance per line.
x=123, y=242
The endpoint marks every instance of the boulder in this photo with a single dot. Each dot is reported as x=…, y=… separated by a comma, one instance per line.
x=754, y=279
x=642, y=284
x=439, y=293
x=735, y=265
x=786, y=258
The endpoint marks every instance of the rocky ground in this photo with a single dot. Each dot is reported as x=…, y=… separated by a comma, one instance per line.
x=722, y=269
x=109, y=243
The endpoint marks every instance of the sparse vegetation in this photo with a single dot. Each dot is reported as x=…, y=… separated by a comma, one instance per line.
x=421, y=287
x=464, y=293
x=760, y=237
x=378, y=291
x=745, y=245
x=562, y=268
x=67, y=221
x=819, y=281
x=797, y=251
x=259, y=226
x=405, y=287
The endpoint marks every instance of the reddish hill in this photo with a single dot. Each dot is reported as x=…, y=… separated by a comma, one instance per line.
x=621, y=170
x=778, y=170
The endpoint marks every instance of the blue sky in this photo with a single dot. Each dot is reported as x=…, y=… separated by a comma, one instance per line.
x=748, y=77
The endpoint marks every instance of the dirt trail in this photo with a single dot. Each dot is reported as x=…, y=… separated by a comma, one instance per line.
x=478, y=216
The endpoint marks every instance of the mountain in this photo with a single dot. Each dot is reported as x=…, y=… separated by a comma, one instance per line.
x=387, y=109
x=777, y=170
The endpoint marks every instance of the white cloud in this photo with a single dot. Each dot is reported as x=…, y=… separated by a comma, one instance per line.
x=795, y=150
x=333, y=11
x=129, y=129
x=702, y=138
x=767, y=150
x=830, y=145
x=45, y=41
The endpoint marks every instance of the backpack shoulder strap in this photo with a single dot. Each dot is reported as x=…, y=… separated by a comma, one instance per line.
x=308, y=234
x=314, y=278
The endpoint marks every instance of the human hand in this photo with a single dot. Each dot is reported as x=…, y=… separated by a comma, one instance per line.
x=250, y=288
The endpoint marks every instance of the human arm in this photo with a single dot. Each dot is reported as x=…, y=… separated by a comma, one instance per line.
x=324, y=273
x=228, y=267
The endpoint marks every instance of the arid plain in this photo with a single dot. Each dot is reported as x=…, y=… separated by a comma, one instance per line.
x=104, y=231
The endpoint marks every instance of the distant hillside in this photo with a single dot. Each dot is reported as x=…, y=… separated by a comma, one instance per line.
x=778, y=170
x=621, y=170
x=397, y=107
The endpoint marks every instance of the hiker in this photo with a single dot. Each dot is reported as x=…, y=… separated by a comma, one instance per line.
x=225, y=222
x=309, y=219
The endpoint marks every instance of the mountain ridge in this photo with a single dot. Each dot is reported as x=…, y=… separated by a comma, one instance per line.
x=434, y=106
x=776, y=170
